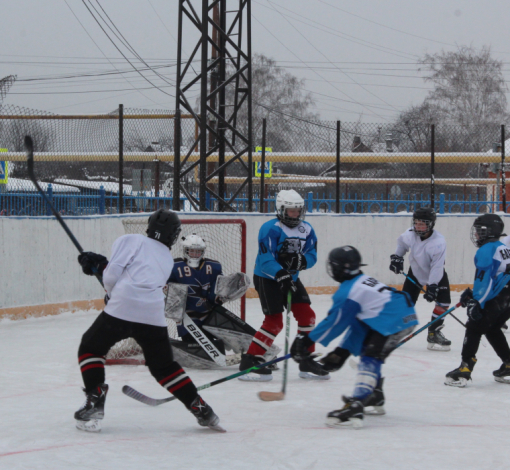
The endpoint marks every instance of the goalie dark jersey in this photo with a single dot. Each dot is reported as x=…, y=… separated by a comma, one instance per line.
x=201, y=282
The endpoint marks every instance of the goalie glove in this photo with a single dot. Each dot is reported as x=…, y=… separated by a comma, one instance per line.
x=300, y=347
x=292, y=261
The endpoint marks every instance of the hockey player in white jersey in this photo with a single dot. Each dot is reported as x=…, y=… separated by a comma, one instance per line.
x=376, y=318
x=488, y=304
x=427, y=255
x=134, y=278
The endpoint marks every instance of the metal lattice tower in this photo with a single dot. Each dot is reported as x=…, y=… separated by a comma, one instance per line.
x=222, y=137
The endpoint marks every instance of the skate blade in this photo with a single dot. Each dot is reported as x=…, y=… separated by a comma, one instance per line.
x=355, y=423
x=251, y=377
x=374, y=410
x=309, y=376
x=502, y=380
x=217, y=428
x=271, y=396
x=437, y=347
x=461, y=383
x=92, y=425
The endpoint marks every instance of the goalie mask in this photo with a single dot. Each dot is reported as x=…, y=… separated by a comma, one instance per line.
x=290, y=208
x=193, y=250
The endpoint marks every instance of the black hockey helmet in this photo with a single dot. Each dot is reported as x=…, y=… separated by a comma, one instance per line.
x=487, y=228
x=426, y=215
x=344, y=263
x=164, y=226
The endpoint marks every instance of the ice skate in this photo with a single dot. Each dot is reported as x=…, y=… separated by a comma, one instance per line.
x=502, y=375
x=89, y=415
x=374, y=403
x=205, y=415
x=350, y=415
x=436, y=341
x=312, y=370
x=459, y=377
x=258, y=375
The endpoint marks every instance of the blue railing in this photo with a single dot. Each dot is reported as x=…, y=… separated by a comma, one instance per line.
x=101, y=202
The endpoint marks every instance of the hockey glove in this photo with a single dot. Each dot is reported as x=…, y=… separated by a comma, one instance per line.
x=106, y=299
x=285, y=282
x=431, y=294
x=335, y=359
x=92, y=263
x=292, y=261
x=466, y=296
x=397, y=264
x=300, y=347
x=474, y=310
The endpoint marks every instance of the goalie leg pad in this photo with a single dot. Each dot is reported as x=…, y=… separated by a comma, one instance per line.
x=192, y=355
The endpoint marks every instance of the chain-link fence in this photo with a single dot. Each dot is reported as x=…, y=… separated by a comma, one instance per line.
x=124, y=162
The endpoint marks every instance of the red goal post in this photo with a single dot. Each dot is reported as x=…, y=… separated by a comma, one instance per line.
x=225, y=241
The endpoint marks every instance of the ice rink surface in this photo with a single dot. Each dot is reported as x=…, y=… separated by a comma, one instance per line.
x=427, y=426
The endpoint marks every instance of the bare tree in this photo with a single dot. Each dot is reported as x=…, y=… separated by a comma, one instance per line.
x=469, y=87
x=280, y=97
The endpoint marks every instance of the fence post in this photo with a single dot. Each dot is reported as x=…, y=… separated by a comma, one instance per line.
x=262, y=167
x=441, y=203
x=432, y=158
x=121, y=159
x=503, y=176
x=50, y=197
x=101, y=200
x=310, y=202
x=337, y=187
x=176, y=196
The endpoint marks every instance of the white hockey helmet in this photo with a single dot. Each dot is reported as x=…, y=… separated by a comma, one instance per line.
x=193, y=248
x=289, y=199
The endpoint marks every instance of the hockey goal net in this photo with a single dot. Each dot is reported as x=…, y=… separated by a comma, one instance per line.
x=225, y=241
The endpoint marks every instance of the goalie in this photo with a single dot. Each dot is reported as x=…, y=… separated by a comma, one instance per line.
x=196, y=292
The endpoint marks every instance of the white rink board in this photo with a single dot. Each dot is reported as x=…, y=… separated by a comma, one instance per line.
x=428, y=426
x=39, y=261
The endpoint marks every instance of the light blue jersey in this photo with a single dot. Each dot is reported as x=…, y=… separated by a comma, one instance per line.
x=491, y=261
x=275, y=238
x=362, y=304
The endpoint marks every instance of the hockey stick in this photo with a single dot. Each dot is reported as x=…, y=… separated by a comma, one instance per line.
x=29, y=147
x=278, y=396
x=132, y=393
x=423, y=290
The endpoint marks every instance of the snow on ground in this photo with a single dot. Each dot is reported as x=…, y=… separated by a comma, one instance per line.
x=427, y=426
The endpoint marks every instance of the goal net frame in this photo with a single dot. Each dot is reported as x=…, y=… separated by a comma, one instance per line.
x=128, y=352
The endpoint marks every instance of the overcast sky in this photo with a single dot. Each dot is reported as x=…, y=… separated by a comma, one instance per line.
x=359, y=58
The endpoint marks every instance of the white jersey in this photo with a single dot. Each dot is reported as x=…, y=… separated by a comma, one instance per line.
x=426, y=257
x=134, y=278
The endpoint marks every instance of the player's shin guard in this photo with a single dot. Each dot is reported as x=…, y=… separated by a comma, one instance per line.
x=266, y=335
x=369, y=371
x=92, y=369
x=177, y=382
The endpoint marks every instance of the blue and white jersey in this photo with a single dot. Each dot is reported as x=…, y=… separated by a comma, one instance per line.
x=201, y=284
x=491, y=263
x=276, y=238
x=362, y=304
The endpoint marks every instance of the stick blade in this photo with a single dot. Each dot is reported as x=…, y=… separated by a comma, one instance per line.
x=271, y=396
